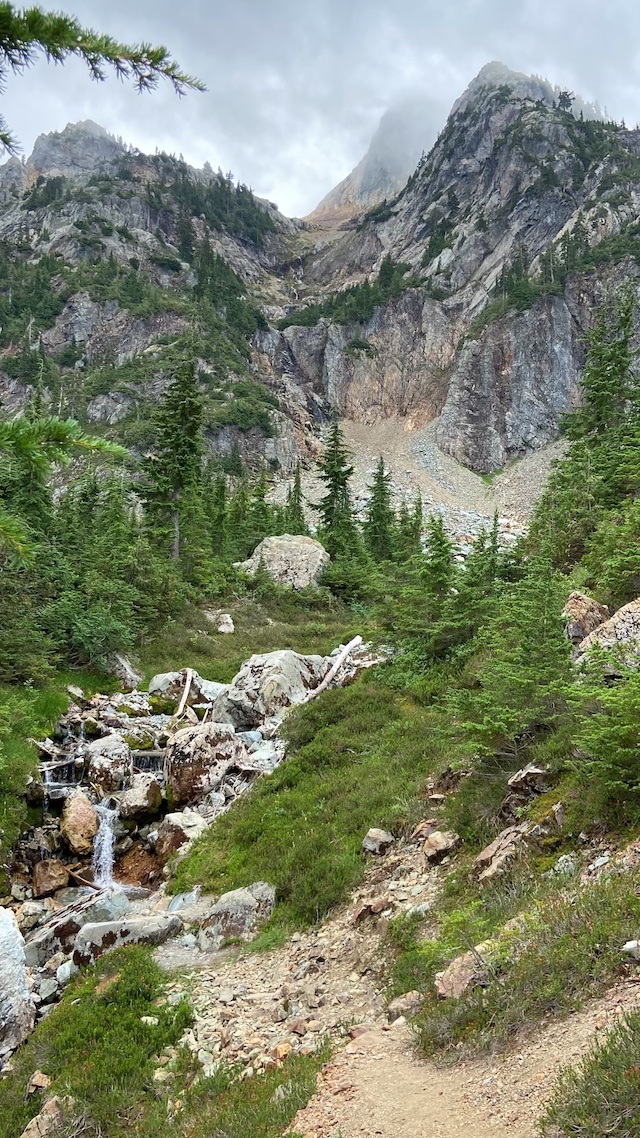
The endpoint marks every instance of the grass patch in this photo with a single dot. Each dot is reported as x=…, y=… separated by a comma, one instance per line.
x=358, y=758
x=313, y=622
x=261, y=1107
x=602, y=1094
x=96, y=1049
x=568, y=951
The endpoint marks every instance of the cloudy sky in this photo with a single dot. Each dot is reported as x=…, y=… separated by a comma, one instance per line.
x=296, y=87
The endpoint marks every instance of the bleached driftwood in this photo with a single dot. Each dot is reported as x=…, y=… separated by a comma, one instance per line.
x=334, y=669
x=185, y=694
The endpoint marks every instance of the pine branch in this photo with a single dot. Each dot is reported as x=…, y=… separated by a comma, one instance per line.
x=24, y=35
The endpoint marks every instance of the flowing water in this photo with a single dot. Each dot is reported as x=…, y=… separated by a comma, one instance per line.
x=103, y=846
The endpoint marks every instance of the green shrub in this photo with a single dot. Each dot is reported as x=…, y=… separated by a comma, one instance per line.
x=96, y=1049
x=568, y=951
x=602, y=1094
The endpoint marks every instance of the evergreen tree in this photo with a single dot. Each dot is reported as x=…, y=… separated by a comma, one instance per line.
x=436, y=571
x=522, y=670
x=25, y=35
x=173, y=471
x=379, y=523
x=409, y=530
x=339, y=532
x=294, y=520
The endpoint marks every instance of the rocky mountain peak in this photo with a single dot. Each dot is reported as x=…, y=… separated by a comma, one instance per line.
x=78, y=150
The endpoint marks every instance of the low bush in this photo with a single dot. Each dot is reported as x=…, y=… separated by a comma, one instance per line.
x=568, y=951
x=602, y=1094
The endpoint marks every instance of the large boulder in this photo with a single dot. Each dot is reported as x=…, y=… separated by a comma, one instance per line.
x=80, y=823
x=267, y=685
x=289, y=559
x=176, y=830
x=48, y=876
x=17, y=1009
x=620, y=635
x=582, y=615
x=60, y=931
x=167, y=689
x=143, y=797
x=197, y=759
x=109, y=762
x=238, y=914
x=124, y=670
x=95, y=939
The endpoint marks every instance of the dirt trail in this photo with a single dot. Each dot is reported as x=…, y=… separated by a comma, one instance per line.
x=378, y=1085
x=330, y=983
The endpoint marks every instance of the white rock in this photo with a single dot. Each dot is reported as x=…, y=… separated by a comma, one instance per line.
x=289, y=559
x=17, y=1009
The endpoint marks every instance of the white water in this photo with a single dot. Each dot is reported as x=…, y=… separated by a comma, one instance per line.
x=103, y=845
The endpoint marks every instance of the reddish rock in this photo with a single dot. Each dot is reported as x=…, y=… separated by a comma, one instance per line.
x=48, y=876
x=439, y=844
x=79, y=823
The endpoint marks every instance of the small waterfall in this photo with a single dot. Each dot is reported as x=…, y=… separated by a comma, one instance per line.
x=103, y=846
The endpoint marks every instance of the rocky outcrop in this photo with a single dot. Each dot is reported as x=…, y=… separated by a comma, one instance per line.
x=237, y=915
x=620, y=636
x=267, y=685
x=582, y=615
x=289, y=559
x=402, y=370
x=79, y=823
x=103, y=329
x=197, y=759
x=109, y=762
x=17, y=1009
x=510, y=390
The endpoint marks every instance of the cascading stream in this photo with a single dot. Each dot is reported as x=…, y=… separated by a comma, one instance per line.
x=103, y=847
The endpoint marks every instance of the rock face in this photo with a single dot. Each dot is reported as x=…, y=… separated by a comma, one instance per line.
x=143, y=797
x=48, y=876
x=17, y=1009
x=237, y=914
x=582, y=615
x=95, y=939
x=197, y=759
x=109, y=762
x=176, y=830
x=59, y=933
x=518, y=381
x=79, y=823
x=619, y=635
x=290, y=559
x=267, y=685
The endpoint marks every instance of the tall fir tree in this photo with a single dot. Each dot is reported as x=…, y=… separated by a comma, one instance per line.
x=173, y=470
x=294, y=520
x=379, y=523
x=338, y=528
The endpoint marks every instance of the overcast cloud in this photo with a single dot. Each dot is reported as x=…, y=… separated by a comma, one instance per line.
x=296, y=87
